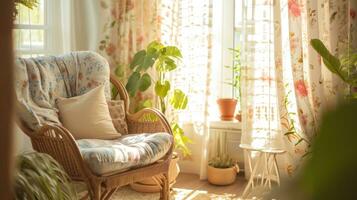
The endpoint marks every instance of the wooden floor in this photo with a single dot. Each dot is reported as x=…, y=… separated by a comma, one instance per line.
x=196, y=188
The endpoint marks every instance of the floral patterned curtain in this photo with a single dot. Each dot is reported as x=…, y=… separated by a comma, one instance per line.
x=286, y=89
x=130, y=26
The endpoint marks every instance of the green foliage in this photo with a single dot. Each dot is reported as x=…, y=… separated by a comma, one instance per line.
x=162, y=59
x=162, y=89
x=179, y=100
x=236, y=68
x=39, y=176
x=345, y=67
x=222, y=162
x=330, y=170
x=27, y=3
x=181, y=139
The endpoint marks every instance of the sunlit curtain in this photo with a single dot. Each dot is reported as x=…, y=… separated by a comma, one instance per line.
x=187, y=24
x=130, y=25
x=285, y=88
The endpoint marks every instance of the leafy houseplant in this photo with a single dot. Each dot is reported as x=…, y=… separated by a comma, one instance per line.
x=227, y=106
x=39, y=176
x=162, y=59
x=222, y=170
x=344, y=67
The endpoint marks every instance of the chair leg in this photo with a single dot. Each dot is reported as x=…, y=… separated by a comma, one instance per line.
x=96, y=194
x=110, y=193
x=165, y=188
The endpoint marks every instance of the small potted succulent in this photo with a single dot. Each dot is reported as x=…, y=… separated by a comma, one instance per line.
x=222, y=170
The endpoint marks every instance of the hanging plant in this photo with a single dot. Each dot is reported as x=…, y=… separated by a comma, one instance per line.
x=163, y=60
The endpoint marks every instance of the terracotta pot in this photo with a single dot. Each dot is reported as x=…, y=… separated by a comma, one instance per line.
x=149, y=185
x=218, y=176
x=239, y=117
x=227, y=108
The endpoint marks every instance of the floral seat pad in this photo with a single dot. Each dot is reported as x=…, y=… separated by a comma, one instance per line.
x=127, y=152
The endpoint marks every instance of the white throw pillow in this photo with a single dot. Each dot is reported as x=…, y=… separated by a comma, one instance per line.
x=87, y=116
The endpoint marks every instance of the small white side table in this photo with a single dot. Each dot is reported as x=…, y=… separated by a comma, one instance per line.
x=265, y=167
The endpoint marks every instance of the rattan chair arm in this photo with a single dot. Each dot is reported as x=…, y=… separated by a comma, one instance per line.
x=148, y=120
x=59, y=143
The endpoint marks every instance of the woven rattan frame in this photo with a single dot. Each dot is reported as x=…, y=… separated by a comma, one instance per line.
x=58, y=142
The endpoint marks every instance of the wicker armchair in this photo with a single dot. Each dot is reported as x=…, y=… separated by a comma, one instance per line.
x=58, y=142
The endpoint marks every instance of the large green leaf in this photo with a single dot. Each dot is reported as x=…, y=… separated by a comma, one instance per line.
x=133, y=83
x=171, y=51
x=144, y=82
x=181, y=140
x=154, y=47
x=331, y=62
x=162, y=89
x=165, y=64
x=179, y=99
x=148, y=61
x=138, y=59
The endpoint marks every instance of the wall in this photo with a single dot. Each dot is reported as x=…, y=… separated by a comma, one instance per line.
x=22, y=142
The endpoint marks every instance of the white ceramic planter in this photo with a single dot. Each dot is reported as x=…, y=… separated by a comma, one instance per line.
x=218, y=176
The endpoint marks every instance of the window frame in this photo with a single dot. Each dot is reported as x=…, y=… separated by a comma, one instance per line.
x=46, y=27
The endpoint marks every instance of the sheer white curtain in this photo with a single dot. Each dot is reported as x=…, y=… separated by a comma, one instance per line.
x=188, y=25
x=77, y=25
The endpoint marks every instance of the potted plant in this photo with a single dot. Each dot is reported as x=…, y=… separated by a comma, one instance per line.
x=227, y=106
x=39, y=176
x=162, y=60
x=344, y=67
x=222, y=170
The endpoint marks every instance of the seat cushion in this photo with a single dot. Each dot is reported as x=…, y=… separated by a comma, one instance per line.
x=128, y=151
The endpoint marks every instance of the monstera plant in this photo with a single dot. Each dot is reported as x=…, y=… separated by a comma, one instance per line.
x=344, y=66
x=162, y=60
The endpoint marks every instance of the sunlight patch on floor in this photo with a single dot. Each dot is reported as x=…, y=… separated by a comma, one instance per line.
x=185, y=194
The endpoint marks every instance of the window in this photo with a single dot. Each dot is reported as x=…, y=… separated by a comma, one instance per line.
x=227, y=26
x=32, y=30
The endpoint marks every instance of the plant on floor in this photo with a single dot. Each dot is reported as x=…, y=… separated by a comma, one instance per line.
x=222, y=170
x=162, y=59
x=27, y=3
x=222, y=162
x=344, y=67
x=39, y=176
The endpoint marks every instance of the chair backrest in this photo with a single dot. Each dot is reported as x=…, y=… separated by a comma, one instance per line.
x=40, y=81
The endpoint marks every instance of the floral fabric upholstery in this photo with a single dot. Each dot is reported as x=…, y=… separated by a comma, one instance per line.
x=117, y=113
x=126, y=152
x=39, y=81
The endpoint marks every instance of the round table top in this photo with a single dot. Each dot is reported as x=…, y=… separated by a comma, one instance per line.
x=262, y=149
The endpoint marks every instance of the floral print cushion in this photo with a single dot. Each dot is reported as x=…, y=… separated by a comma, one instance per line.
x=117, y=113
x=41, y=80
x=127, y=152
